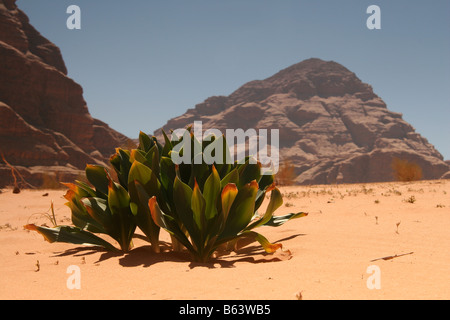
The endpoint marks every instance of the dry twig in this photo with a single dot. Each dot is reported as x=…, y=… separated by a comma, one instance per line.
x=14, y=171
x=391, y=257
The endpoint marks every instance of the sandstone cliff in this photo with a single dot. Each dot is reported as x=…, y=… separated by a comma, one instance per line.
x=333, y=128
x=45, y=125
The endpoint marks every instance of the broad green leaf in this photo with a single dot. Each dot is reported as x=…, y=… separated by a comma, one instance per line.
x=98, y=177
x=242, y=209
x=153, y=158
x=182, y=196
x=142, y=213
x=268, y=247
x=121, y=164
x=280, y=220
x=231, y=177
x=198, y=206
x=80, y=190
x=168, y=223
x=118, y=197
x=266, y=182
x=199, y=172
x=145, y=142
x=211, y=192
x=276, y=200
x=143, y=174
x=167, y=172
x=70, y=234
x=156, y=213
x=80, y=216
x=229, y=193
x=122, y=217
x=251, y=171
x=98, y=210
x=138, y=155
x=167, y=145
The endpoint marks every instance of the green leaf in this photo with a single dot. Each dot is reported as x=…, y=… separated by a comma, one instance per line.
x=157, y=214
x=70, y=234
x=198, y=205
x=268, y=247
x=139, y=155
x=211, y=192
x=231, y=177
x=229, y=193
x=98, y=210
x=143, y=174
x=141, y=211
x=280, y=220
x=123, y=220
x=81, y=189
x=145, y=142
x=168, y=223
x=182, y=197
x=153, y=158
x=118, y=198
x=276, y=200
x=250, y=172
x=98, y=177
x=266, y=182
x=167, y=145
x=242, y=209
x=167, y=172
x=121, y=164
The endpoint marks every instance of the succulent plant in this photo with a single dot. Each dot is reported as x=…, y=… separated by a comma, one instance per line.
x=203, y=206
x=105, y=209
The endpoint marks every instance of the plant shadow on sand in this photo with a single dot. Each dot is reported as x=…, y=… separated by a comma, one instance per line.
x=145, y=257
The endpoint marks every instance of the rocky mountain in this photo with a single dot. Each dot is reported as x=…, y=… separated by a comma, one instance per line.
x=332, y=127
x=45, y=125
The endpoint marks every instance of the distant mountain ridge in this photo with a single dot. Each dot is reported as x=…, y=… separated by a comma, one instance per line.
x=333, y=128
x=45, y=125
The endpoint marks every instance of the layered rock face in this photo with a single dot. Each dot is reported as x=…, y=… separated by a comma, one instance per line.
x=332, y=127
x=45, y=125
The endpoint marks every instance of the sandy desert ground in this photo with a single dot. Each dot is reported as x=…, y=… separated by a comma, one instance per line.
x=336, y=251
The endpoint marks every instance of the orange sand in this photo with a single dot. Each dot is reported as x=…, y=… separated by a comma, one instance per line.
x=331, y=249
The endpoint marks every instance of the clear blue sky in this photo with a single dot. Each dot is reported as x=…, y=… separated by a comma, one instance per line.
x=143, y=62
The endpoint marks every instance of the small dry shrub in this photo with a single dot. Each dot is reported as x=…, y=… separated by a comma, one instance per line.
x=405, y=170
x=50, y=181
x=286, y=174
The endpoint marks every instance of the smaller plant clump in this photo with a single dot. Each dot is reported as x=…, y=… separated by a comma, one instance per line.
x=204, y=207
x=411, y=199
x=405, y=170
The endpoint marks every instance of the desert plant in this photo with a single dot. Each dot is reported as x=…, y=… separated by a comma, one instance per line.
x=405, y=170
x=108, y=207
x=202, y=206
x=411, y=199
x=205, y=206
x=105, y=209
x=286, y=174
